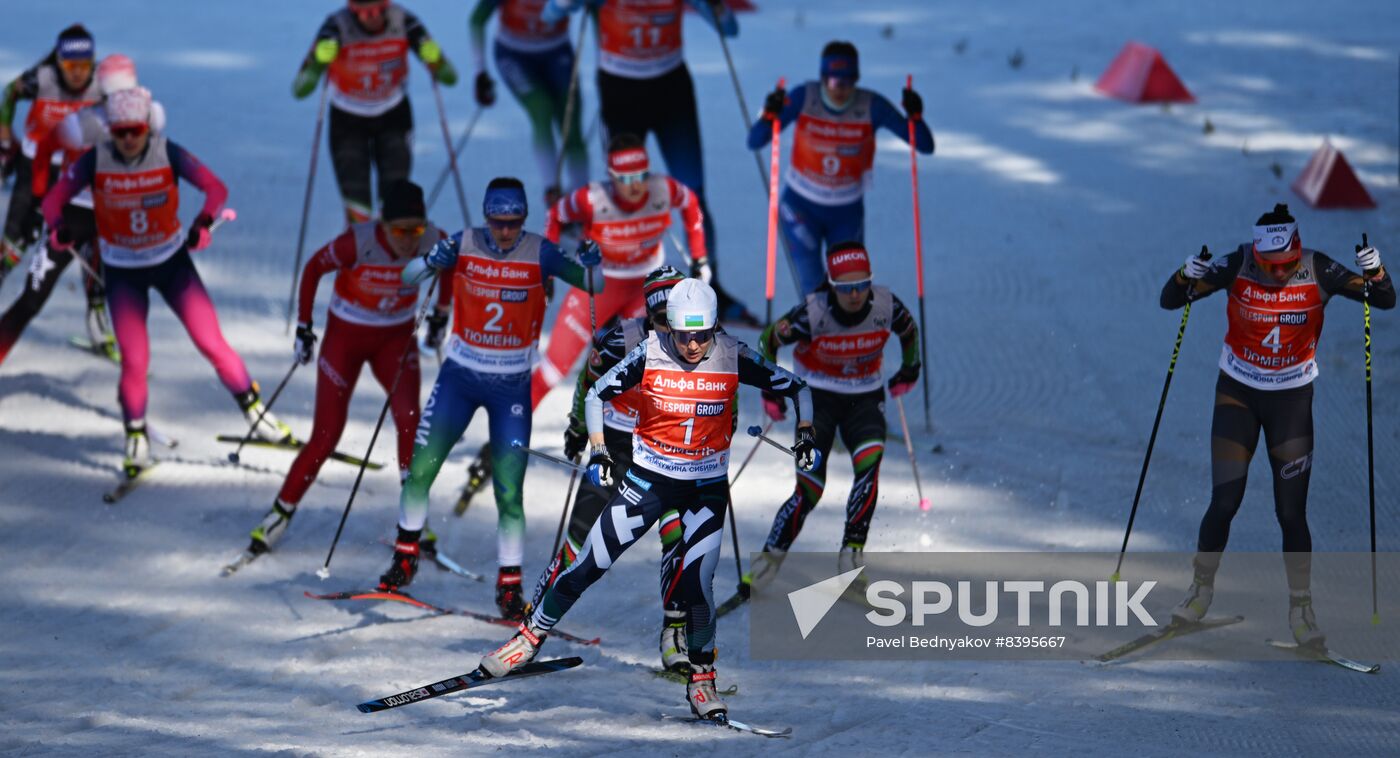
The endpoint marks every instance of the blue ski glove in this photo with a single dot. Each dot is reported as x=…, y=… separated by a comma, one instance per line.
x=444, y=254
x=589, y=254
x=600, y=467
x=805, y=452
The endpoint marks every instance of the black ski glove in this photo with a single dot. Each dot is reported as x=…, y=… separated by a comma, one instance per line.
x=600, y=467
x=437, y=327
x=305, y=346
x=913, y=104
x=805, y=451
x=774, y=103
x=485, y=90
x=575, y=438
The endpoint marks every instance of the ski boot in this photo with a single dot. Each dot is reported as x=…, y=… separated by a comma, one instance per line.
x=675, y=656
x=274, y=524
x=851, y=557
x=701, y=693
x=405, y=565
x=269, y=428
x=99, y=330
x=478, y=474
x=763, y=571
x=1193, y=607
x=138, y=450
x=518, y=650
x=1303, y=622
x=509, y=597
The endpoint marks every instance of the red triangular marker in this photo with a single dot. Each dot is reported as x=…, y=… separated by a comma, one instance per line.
x=1328, y=181
x=1140, y=75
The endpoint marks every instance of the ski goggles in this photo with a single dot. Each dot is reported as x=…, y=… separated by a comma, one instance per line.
x=404, y=231
x=849, y=288
x=505, y=224
x=635, y=177
x=76, y=66
x=698, y=336
x=127, y=131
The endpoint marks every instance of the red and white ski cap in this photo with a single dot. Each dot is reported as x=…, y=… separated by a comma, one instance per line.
x=847, y=260
x=1278, y=243
x=129, y=106
x=631, y=160
x=116, y=72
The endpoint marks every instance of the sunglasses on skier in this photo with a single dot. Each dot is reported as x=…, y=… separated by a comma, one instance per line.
x=76, y=66
x=698, y=336
x=505, y=224
x=850, y=288
x=127, y=131
x=626, y=179
x=403, y=232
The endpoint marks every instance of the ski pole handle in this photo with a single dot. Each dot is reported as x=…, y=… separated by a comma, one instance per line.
x=517, y=444
x=225, y=215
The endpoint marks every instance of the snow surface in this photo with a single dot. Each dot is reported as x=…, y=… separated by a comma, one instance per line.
x=1051, y=216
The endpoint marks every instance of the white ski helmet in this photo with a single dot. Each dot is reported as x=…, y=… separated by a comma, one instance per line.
x=129, y=106
x=115, y=73
x=692, y=306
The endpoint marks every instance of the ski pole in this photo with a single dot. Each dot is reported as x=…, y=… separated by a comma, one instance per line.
x=565, y=462
x=924, y=503
x=570, y=100
x=233, y=457
x=748, y=127
x=306, y=202
x=226, y=215
x=592, y=307
x=564, y=516
x=772, y=264
x=1370, y=441
x=733, y=522
x=409, y=350
x=456, y=151
x=1157, y=422
x=756, y=431
x=919, y=264
x=451, y=156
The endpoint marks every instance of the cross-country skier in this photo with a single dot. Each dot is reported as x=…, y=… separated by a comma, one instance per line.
x=77, y=132
x=370, y=322
x=619, y=420
x=536, y=61
x=58, y=85
x=627, y=216
x=1278, y=290
x=644, y=87
x=688, y=380
x=840, y=331
x=364, y=48
x=134, y=178
x=497, y=275
x=833, y=151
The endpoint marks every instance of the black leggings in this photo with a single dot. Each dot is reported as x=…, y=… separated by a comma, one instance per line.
x=385, y=140
x=23, y=220
x=860, y=419
x=1286, y=419
x=43, y=274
